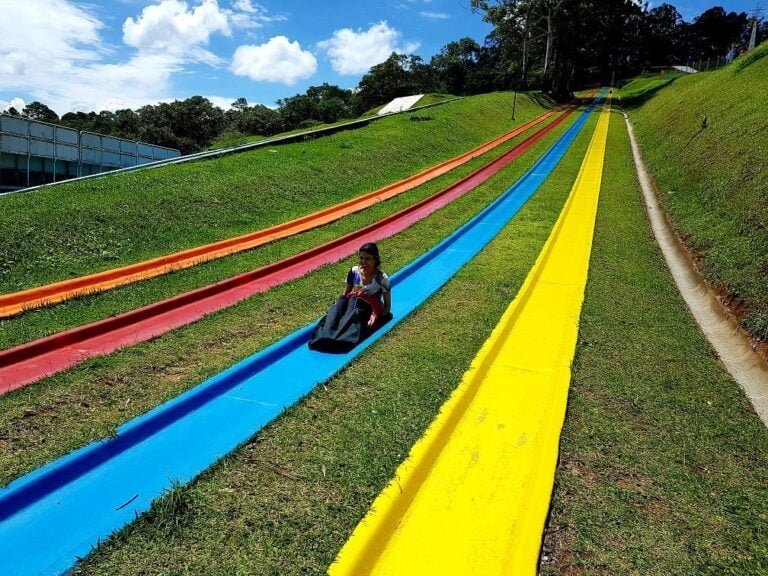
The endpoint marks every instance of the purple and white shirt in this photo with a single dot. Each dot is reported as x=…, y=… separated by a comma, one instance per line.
x=378, y=286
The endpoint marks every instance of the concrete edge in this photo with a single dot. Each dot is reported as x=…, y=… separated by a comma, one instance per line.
x=732, y=345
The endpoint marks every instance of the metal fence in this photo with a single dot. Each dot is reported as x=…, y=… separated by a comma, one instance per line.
x=34, y=153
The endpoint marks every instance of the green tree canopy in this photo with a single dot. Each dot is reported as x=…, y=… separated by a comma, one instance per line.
x=39, y=111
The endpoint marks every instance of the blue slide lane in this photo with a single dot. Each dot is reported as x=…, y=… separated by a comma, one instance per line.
x=59, y=512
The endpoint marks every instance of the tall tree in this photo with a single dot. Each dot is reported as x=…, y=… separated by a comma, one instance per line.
x=663, y=40
x=715, y=31
x=569, y=41
x=456, y=65
x=126, y=124
x=39, y=111
x=256, y=120
x=399, y=75
x=325, y=103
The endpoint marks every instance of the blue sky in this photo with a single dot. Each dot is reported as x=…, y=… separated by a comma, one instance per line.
x=689, y=9
x=88, y=56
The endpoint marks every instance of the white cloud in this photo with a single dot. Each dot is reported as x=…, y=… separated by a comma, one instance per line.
x=248, y=15
x=143, y=79
x=279, y=60
x=53, y=51
x=435, y=15
x=16, y=103
x=32, y=37
x=43, y=45
x=355, y=52
x=223, y=102
x=171, y=27
x=49, y=29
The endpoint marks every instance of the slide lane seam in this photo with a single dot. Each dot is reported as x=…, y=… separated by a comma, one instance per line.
x=76, y=501
x=17, y=302
x=27, y=363
x=473, y=493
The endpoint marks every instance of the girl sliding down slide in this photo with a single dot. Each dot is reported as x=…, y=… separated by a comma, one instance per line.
x=364, y=306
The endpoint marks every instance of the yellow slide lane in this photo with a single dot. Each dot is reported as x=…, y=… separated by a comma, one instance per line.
x=473, y=495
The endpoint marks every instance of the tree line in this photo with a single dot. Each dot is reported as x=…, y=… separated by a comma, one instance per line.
x=553, y=45
x=559, y=45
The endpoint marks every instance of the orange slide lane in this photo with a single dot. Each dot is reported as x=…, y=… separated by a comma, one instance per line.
x=17, y=302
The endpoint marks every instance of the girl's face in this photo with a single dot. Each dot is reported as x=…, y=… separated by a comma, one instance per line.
x=367, y=261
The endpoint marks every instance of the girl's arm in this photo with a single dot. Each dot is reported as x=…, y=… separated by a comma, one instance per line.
x=387, y=302
x=350, y=278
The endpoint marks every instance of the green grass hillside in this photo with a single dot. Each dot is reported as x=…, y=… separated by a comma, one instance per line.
x=229, y=139
x=433, y=98
x=643, y=87
x=663, y=461
x=86, y=402
x=705, y=138
x=53, y=417
x=285, y=503
x=78, y=228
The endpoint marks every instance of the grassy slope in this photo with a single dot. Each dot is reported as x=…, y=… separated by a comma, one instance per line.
x=641, y=88
x=62, y=412
x=432, y=98
x=713, y=180
x=286, y=502
x=44, y=321
x=426, y=100
x=228, y=139
x=98, y=224
x=663, y=463
x=237, y=139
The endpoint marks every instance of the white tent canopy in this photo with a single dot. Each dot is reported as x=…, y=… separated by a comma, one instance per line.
x=400, y=104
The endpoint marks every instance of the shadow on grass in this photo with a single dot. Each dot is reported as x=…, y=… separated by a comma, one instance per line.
x=542, y=99
x=637, y=99
x=750, y=59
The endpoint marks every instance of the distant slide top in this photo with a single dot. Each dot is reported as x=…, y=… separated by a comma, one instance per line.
x=400, y=104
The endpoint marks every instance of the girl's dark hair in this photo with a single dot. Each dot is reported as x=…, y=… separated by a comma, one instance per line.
x=373, y=250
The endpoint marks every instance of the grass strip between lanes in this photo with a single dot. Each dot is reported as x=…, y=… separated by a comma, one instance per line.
x=663, y=463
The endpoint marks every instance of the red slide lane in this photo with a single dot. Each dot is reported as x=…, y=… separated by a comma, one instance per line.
x=30, y=362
